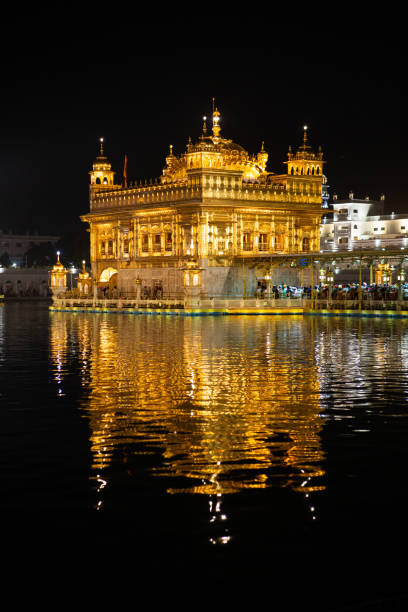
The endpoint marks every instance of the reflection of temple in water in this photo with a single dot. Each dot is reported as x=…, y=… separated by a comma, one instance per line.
x=219, y=405
x=228, y=404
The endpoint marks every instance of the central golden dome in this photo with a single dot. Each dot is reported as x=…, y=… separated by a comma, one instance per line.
x=212, y=151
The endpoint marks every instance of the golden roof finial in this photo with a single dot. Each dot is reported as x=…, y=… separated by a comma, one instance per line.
x=58, y=266
x=204, y=126
x=83, y=266
x=216, y=120
x=262, y=157
x=101, y=151
x=171, y=149
x=305, y=135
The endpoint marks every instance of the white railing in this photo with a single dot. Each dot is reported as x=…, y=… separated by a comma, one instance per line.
x=181, y=303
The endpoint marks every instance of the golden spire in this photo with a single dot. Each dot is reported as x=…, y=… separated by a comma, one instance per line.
x=101, y=151
x=83, y=266
x=305, y=145
x=216, y=120
x=204, y=126
x=58, y=265
x=262, y=157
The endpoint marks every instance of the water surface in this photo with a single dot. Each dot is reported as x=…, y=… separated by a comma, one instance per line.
x=215, y=458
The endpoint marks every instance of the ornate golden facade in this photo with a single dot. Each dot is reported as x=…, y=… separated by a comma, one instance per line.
x=215, y=204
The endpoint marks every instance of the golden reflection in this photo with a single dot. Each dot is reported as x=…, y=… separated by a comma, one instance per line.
x=226, y=403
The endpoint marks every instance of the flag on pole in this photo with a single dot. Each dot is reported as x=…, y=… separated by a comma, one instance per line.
x=125, y=172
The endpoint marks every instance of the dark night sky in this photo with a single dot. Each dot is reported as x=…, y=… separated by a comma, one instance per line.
x=59, y=97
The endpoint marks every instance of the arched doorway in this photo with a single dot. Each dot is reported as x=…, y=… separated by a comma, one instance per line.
x=109, y=279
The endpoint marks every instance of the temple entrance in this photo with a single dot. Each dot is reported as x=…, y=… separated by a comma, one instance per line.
x=263, y=288
x=108, y=280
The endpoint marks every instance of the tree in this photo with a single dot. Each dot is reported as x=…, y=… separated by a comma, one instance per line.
x=40, y=255
x=5, y=260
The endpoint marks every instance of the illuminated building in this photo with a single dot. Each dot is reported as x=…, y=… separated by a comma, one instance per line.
x=215, y=205
x=361, y=224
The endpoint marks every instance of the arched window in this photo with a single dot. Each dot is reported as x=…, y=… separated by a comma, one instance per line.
x=145, y=243
x=279, y=242
x=169, y=241
x=98, y=181
x=105, y=180
x=263, y=242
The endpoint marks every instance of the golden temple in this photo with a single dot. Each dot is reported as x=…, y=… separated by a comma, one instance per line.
x=215, y=208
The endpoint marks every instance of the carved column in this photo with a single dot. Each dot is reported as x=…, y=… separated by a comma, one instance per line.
x=135, y=249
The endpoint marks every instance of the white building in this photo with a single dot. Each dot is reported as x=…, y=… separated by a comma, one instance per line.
x=361, y=224
x=17, y=245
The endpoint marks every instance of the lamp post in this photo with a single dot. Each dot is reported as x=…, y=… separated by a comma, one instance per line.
x=138, y=289
x=268, y=280
x=401, y=280
x=330, y=279
x=360, y=289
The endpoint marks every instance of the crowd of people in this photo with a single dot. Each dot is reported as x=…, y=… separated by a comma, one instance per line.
x=339, y=291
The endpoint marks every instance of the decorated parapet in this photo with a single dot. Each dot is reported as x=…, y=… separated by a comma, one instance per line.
x=84, y=281
x=58, y=277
